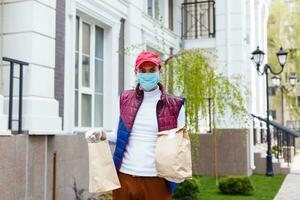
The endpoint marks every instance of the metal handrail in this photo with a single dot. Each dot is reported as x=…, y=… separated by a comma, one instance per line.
x=283, y=139
x=11, y=88
x=279, y=126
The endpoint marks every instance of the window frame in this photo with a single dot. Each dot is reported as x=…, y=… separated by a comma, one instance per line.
x=154, y=9
x=91, y=90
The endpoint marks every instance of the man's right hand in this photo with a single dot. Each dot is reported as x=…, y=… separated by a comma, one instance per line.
x=94, y=136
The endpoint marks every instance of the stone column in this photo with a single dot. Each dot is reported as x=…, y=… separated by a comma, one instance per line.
x=29, y=35
x=3, y=117
x=133, y=37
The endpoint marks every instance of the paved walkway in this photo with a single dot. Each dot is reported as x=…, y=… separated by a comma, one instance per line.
x=290, y=189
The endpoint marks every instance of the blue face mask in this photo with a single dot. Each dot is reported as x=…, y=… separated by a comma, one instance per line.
x=148, y=80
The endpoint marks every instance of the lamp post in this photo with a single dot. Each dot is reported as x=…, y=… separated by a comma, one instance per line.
x=276, y=80
x=258, y=57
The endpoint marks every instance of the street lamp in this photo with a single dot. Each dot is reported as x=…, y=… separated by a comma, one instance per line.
x=258, y=57
x=293, y=80
x=276, y=80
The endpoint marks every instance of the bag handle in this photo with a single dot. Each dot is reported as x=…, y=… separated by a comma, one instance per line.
x=172, y=131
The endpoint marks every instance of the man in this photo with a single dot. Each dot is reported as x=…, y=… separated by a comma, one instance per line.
x=144, y=111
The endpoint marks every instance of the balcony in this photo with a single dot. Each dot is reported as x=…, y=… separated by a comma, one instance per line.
x=198, y=20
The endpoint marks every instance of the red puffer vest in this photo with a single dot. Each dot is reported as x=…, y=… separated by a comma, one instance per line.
x=167, y=111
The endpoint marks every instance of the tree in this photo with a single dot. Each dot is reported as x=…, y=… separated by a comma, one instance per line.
x=192, y=74
x=284, y=30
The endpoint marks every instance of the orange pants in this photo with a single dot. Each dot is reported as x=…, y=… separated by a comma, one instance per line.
x=141, y=188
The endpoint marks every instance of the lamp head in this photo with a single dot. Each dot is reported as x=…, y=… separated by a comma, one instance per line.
x=276, y=80
x=293, y=79
x=258, y=56
x=282, y=56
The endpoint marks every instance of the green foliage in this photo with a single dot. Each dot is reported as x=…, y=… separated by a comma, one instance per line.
x=236, y=185
x=275, y=151
x=187, y=190
x=266, y=188
x=292, y=103
x=284, y=30
x=191, y=74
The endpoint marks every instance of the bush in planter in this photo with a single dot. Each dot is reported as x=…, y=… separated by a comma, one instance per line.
x=236, y=185
x=187, y=190
x=275, y=151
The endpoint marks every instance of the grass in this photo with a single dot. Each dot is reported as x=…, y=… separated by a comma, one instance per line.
x=265, y=188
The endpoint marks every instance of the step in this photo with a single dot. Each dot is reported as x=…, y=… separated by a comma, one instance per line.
x=279, y=167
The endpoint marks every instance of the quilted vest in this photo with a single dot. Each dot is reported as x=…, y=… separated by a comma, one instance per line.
x=167, y=111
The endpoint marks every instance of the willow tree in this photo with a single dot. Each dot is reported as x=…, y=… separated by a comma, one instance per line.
x=191, y=73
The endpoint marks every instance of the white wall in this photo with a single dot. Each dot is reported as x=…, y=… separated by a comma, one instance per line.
x=3, y=117
x=29, y=35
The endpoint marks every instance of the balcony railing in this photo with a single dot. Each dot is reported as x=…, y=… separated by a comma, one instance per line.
x=198, y=20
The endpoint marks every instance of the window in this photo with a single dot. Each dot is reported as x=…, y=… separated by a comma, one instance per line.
x=198, y=19
x=273, y=114
x=153, y=8
x=291, y=5
x=272, y=91
x=88, y=75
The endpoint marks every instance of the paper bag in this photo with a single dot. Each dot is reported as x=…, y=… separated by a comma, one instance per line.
x=102, y=172
x=173, y=155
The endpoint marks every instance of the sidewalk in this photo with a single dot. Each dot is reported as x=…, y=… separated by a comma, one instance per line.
x=290, y=187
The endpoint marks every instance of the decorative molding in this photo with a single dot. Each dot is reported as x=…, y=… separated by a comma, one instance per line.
x=100, y=12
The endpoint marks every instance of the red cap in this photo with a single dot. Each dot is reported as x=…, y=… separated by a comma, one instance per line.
x=146, y=56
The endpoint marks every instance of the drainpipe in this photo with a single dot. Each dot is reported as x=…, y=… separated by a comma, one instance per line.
x=46, y=168
x=54, y=177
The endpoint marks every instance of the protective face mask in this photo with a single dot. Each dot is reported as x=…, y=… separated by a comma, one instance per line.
x=148, y=80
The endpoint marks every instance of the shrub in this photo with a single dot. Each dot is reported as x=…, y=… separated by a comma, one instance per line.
x=187, y=190
x=236, y=185
x=275, y=151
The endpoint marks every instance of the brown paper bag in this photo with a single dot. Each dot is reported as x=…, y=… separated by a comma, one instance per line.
x=173, y=155
x=102, y=172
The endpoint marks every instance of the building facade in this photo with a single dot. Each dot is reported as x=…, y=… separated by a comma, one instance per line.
x=75, y=52
x=78, y=66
